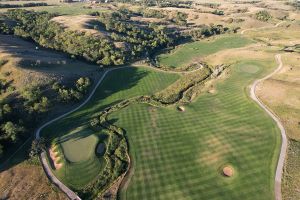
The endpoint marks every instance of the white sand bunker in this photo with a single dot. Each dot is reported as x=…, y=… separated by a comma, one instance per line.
x=251, y=69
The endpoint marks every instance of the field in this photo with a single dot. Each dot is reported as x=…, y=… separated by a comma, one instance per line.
x=179, y=155
x=118, y=85
x=185, y=54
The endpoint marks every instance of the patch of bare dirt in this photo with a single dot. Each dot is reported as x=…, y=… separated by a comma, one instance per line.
x=27, y=182
x=84, y=23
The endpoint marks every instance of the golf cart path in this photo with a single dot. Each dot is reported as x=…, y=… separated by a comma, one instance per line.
x=43, y=156
x=280, y=164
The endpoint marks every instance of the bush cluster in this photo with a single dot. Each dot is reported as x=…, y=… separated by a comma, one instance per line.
x=76, y=93
x=207, y=31
x=263, y=15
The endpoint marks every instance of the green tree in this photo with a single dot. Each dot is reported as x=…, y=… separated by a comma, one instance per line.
x=37, y=147
x=11, y=131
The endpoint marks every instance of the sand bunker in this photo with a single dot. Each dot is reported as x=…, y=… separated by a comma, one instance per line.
x=228, y=171
x=55, y=158
x=181, y=108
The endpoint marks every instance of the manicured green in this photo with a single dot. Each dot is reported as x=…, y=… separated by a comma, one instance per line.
x=81, y=146
x=184, y=54
x=180, y=155
x=117, y=85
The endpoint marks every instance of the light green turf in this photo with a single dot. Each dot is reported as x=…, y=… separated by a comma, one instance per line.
x=184, y=54
x=81, y=146
x=117, y=85
x=180, y=155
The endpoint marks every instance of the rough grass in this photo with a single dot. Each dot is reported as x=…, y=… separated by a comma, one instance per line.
x=291, y=179
x=282, y=94
x=118, y=85
x=184, y=54
x=179, y=155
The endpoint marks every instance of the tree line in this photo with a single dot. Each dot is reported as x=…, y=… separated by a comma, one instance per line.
x=138, y=41
x=19, y=115
x=22, y=5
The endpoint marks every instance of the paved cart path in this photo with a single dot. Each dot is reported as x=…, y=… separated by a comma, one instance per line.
x=279, y=169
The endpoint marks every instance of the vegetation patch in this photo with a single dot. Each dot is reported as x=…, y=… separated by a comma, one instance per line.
x=263, y=15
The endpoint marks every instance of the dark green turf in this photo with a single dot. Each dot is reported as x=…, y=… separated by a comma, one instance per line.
x=180, y=155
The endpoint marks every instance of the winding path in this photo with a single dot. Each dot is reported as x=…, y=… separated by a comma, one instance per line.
x=279, y=170
x=43, y=156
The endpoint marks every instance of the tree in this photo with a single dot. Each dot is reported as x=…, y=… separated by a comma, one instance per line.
x=37, y=147
x=82, y=84
x=11, y=131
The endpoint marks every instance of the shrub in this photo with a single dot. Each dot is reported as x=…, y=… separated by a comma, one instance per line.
x=263, y=15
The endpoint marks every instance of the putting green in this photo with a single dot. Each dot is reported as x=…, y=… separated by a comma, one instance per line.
x=252, y=69
x=80, y=146
x=185, y=54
